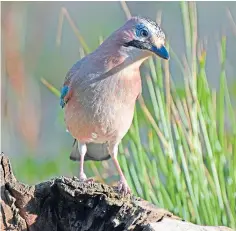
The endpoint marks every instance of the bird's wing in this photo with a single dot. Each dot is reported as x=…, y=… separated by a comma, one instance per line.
x=65, y=90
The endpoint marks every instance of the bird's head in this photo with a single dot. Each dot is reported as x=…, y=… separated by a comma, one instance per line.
x=145, y=35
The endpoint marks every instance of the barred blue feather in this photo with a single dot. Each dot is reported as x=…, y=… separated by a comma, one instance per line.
x=64, y=91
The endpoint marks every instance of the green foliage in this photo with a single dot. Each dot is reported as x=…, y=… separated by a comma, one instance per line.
x=33, y=169
x=178, y=153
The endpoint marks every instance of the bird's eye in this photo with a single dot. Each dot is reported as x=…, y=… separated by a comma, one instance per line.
x=143, y=33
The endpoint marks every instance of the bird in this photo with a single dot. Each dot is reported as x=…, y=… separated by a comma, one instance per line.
x=100, y=90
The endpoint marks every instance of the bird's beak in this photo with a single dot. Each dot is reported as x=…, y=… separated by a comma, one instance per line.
x=160, y=51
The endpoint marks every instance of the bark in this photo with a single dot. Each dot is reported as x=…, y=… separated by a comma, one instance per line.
x=68, y=204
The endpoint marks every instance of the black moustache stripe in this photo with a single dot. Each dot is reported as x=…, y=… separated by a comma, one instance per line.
x=138, y=44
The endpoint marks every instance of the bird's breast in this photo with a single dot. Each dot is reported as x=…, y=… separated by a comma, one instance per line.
x=104, y=110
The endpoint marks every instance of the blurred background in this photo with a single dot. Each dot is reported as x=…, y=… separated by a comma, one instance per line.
x=40, y=40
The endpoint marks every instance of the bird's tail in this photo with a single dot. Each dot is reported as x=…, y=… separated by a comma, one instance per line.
x=75, y=154
x=94, y=152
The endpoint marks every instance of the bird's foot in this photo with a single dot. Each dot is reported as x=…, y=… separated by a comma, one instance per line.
x=83, y=178
x=123, y=187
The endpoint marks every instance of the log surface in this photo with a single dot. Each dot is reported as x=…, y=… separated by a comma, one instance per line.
x=68, y=204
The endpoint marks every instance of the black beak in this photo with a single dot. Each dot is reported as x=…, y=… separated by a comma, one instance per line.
x=161, y=52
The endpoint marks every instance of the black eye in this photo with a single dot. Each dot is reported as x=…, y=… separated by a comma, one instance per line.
x=144, y=33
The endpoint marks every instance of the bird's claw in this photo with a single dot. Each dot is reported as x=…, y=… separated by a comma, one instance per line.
x=83, y=178
x=123, y=187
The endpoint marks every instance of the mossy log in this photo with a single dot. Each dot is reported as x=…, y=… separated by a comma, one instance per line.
x=68, y=204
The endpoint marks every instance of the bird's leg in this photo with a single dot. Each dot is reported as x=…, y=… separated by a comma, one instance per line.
x=82, y=150
x=122, y=186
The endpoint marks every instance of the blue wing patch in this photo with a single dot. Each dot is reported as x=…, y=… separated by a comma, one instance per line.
x=64, y=92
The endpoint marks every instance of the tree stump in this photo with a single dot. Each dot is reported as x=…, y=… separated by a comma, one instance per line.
x=68, y=204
